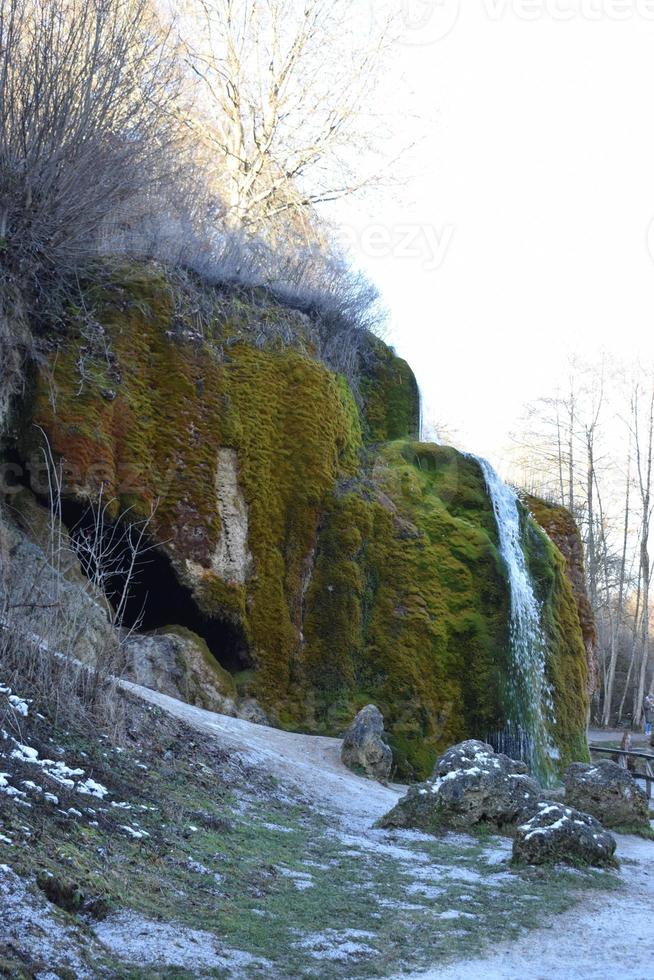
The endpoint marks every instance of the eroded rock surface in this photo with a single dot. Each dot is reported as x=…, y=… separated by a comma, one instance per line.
x=232, y=560
x=471, y=786
x=44, y=597
x=179, y=664
x=608, y=792
x=364, y=746
x=555, y=832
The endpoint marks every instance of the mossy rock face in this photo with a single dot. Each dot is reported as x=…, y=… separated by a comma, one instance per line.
x=566, y=655
x=391, y=399
x=354, y=575
x=150, y=428
x=408, y=606
x=560, y=527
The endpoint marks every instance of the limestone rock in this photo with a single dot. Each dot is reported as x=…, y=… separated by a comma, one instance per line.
x=471, y=754
x=249, y=709
x=554, y=832
x=45, y=597
x=364, y=747
x=179, y=664
x=608, y=792
x=472, y=785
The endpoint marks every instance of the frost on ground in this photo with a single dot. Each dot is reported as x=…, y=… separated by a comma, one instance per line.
x=213, y=846
x=136, y=939
x=601, y=939
x=339, y=946
x=30, y=924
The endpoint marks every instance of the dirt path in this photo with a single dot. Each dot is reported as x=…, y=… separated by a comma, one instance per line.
x=609, y=937
x=310, y=761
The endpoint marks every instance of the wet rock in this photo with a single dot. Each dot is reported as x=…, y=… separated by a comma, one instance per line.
x=364, y=748
x=471, y=786
x=608, y=792
x=555, y=833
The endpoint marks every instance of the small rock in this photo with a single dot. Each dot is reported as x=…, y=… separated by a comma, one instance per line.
x=554, y=833
x=364, y=747
x=608, y=792
x=471, y=786
x=249, y=709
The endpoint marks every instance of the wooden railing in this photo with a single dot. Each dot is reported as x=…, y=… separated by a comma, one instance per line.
x=647, y=775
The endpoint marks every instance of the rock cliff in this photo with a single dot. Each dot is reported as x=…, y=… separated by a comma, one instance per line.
x=326, y=557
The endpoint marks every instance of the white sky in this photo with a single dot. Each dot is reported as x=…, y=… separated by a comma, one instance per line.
x=530, y=217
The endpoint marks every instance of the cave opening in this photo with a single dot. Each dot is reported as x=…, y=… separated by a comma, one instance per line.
x=146, y=590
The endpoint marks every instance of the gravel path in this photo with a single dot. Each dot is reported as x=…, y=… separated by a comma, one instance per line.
x=606, y=938
x=609, y=937
x=312, y=762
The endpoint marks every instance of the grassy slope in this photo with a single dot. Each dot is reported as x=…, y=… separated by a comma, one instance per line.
x=255, y=864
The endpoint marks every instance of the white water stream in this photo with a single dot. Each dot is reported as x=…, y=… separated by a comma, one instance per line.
x=529, y=699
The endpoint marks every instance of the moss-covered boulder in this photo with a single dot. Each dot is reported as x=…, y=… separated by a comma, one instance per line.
x=472, y=787
x=553, y=833
x=328, y=559
x=610, y=794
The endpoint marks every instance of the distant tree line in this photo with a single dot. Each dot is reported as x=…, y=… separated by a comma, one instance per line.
x=590, y=448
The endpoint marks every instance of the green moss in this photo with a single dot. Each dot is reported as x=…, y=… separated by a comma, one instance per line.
x=560, y=526
x=155, y=445
x=566, y=655
x=408, y=606
x=391, y=400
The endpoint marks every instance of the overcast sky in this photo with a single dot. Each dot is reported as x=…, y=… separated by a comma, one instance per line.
x=525, y=237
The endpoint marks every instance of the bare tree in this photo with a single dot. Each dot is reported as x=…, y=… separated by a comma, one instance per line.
x=86, y=126
x=44, y=612
x=283, y=100
x=617, y=619
x=643, y=434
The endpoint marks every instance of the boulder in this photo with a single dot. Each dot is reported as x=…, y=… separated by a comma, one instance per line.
x=471, y=754
x=472, y=785
x=178, y=663
x=608, y=792
x=364, y=747
x=44, y=597
x=553, y=833
x=249, y=709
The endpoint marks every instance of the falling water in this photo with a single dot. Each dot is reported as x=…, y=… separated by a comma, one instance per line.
x=529, y=699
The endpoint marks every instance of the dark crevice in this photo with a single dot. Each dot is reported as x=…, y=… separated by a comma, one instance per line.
x=154, y=598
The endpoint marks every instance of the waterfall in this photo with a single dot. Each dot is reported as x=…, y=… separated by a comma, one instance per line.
x=529, y=704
